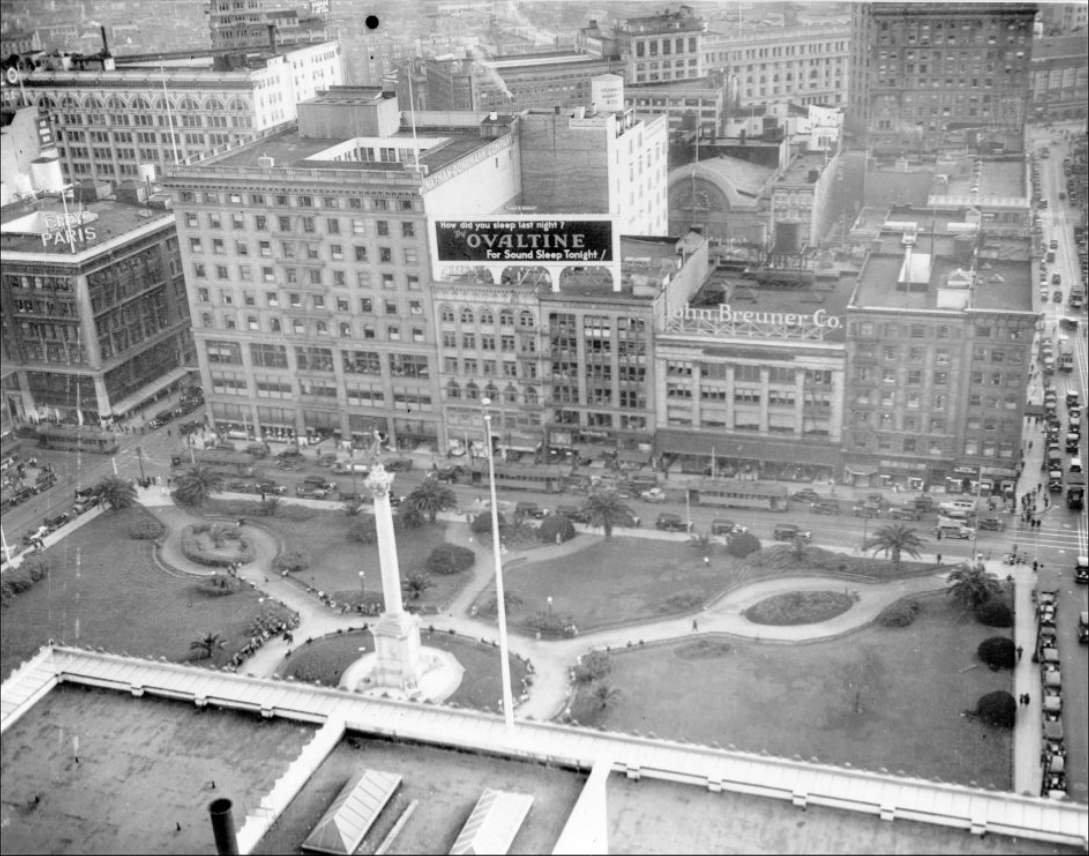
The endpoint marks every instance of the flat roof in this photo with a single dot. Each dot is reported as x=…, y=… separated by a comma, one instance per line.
x=563, y=58
x=798, y=170
x=40, y=228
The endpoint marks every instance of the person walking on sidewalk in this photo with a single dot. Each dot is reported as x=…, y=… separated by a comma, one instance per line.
x=1020, y=651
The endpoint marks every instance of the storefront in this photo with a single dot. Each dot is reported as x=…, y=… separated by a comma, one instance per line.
x=730, y=456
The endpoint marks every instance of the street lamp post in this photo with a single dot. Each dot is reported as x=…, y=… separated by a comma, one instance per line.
x=497, y=558
x=550, y=607
x=362, y=588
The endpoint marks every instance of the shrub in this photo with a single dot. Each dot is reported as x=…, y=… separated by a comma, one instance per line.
x=19, y=579
x=556, y=527
x=997, y=708
x=994, y=613
x=37, y=567
x=218, y=585
x=899, y=614
x=410, y=517
x=482, y=523
x=449, y=559
x=269, y=506
x=743, y=545
x=998, y=652
x=146, y=529
x=353, y=508
x=549, y=623
x=363, y=531
x=594, y=666
x=193, y=548
x=292, y=561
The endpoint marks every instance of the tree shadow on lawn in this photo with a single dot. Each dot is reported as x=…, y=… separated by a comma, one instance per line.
x=877, y=698
x=105, y=590
x=327, y=658
x=335, y=561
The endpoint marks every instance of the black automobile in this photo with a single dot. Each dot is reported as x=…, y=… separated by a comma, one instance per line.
x=722, y=526
x=790, y=532
x=56, y=522
x=265, y=486
x=573, y=513
x=992, y=524
x=826, y=506
x=451, y=474
x=529, y=509
x=306, y=491
x=669, y=522
x=865, y=510
x=807, y=495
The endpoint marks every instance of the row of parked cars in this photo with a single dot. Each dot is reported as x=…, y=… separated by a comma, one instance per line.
x=1053, y=756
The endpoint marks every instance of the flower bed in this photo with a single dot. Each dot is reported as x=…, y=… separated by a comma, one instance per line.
x=216, y=545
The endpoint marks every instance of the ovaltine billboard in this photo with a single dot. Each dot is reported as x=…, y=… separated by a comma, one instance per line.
x=524, y=240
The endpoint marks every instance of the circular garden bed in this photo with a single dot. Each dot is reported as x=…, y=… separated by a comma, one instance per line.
x=216, y=545
x=799, y=607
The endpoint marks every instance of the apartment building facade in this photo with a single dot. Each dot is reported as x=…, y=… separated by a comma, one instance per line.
x=247, y=23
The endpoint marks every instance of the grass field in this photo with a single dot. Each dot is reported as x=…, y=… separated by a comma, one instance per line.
x=878, y=698
x=106, y=590
x=326, y=659
x=335, y=561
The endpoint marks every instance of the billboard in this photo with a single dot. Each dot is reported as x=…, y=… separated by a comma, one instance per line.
x=524, y=240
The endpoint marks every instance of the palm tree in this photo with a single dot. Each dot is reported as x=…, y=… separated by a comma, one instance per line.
x=207, y=645
x=894, y=539
x=430, y=497
x=972, y=586
x=605, y=695
x=416, y=584
x=196, y=485
x=116, y=492
x=606, y=509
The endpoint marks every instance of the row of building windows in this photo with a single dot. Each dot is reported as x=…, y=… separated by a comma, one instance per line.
x=314, y=277
x=295, y=223
x=296, y=300
x=283, y=200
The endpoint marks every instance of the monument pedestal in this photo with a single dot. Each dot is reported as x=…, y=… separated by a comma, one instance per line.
x=397, y=645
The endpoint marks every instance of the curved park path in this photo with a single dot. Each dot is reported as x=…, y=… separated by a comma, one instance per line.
x=551, y=658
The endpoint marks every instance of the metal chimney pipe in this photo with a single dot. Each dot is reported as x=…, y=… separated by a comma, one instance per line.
x=105, y=44
x=223, y=827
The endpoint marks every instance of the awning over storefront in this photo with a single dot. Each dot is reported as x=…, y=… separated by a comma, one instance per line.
x=746, y=448
x=137, y=398
x=633, y=456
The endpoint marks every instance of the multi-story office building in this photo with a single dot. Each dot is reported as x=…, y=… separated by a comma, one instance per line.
x=93, y=306
x=1060, y=77
x=666, y=46
x=920, y=71
x=940, y=330
x=513, y=83
x=158, y=111
x=806, y=65
x=1063, y=18
x=750, y=375
x=694, y=105
x=247, y=23
x=306, y=257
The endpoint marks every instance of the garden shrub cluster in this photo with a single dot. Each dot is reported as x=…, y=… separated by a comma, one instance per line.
x=147, y=529
x=556, y=528
x=363, y=531
x=219, y=585
x=997, y=708
x=449, y=559
x=20, y=579
x=292, y=561
x=193, y=548
x=994, y=613
x=899, y=614
x=742, y=545
x=593, y=667
x=998, y=652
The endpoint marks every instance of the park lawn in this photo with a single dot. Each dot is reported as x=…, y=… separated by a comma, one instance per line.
x=614, y=580
x=327, y=658
x=106, y=590
x=912, y=685
x=335, y=561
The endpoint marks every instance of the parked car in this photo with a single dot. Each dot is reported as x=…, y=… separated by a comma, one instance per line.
x=655, y=494
x=863, y=510
x=397, y=465
x=56, y=522
x=826, y=506
x=319, y=482
x=722, y=526
x=789, y=532
x=806, y=495
x=1057, y=295
x=267, y=486
x=906, y=512
x=451, y=474
x=329, y=459
x=529, y=509
x=669, y=522
x=990, y=524
x=306, y=491
x=573, y=513
x=953, y=529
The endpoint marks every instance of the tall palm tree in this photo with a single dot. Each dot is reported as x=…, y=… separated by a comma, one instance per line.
x=896, y=538
x=116, y=492
x=196, y=485
x=430, y=497
x=207, y=645
x=606, y=509
x=972, y=586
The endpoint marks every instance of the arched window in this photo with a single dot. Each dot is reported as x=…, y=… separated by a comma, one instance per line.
x=92, y=103
x=160, y=105
x=466, y=315
x=531, y=395
x=453, y=390
x=115, y=103
x=506, y=318
x=446, y=312
x=238, y=106
x=525, y=319
x=189, y=105
x=140, y=103
x=510, y=394
x=486, y=316
x=472, y=391
x=69, y=103
x=491, y=392
x=213, y=104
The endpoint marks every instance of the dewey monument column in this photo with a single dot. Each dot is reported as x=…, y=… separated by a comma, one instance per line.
x=396, y=633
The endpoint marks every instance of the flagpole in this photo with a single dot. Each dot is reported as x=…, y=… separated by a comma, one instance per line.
x=169, y=116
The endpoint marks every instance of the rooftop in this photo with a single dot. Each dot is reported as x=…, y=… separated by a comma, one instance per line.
x=798, y=170
x=39, y=227
x=996, y=179
x=688, y=85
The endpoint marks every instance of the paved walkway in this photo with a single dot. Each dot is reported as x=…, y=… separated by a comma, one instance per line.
x=552, y=659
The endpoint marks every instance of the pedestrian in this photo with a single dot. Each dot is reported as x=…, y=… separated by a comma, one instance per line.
x=706, y=561
x=177, y=826
x=695, y=624
x=169, y=432
x=1028, y=699
x=1035, y=567
x=1020, y=651
x=939, y=558
x=241, y=522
